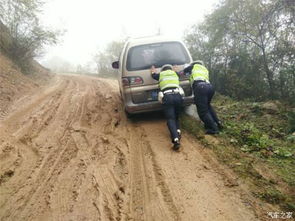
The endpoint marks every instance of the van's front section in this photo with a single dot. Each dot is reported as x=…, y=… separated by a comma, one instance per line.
x=139, y=89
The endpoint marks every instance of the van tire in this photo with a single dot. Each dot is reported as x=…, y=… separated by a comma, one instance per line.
x=128, y=115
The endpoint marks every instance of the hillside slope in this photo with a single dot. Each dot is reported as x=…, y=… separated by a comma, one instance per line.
x=14, y=84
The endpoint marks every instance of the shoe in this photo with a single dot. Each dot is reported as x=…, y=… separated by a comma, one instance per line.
x=219, y=125
x=179, y=133
x=176, y=144
x=212, y=132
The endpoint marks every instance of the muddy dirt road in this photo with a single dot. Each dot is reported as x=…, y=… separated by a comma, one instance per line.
x=69, y=153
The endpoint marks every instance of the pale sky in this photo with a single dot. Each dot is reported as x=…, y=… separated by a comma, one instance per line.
x=91, y=24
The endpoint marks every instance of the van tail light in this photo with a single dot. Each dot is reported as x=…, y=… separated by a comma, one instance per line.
x=128, y=81
x=135, y=80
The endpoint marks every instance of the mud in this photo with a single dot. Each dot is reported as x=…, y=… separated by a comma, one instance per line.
x=69, y=153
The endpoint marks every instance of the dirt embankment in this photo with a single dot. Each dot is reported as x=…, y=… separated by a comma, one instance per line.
x=69, y=153
x=14, y=84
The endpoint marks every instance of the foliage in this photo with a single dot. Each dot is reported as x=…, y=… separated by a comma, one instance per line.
x=105, y=58
x=247, y=135
x=248, y=47
x=256, y=128
x=28, y=36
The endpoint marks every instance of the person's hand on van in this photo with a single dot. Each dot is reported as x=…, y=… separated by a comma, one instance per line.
x=175, y=68
x=153, y=69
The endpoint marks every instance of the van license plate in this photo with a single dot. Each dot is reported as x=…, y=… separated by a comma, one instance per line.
x=154, y=95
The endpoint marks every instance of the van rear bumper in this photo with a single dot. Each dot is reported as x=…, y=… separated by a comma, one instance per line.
x=132, y=108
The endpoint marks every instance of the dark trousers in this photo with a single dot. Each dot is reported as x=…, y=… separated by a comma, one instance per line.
x=204, y=93
x=172, y=106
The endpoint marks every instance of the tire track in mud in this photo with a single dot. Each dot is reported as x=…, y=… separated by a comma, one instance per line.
x=39, y=176
x=76, y=135
x=195, y=186
x=18, y=144
x=109, y=177
x=151, y=198
x=62, y=164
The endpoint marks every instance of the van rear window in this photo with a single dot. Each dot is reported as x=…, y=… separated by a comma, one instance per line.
x=144, y=56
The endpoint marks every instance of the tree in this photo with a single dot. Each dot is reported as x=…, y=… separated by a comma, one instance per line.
x=250, y=45
x=28, y=36
x=104, y=59
x=261, y=23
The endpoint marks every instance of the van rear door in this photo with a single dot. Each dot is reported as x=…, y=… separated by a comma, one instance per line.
x=140, y=58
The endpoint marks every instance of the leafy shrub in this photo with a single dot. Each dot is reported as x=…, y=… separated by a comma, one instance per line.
x=249, y=137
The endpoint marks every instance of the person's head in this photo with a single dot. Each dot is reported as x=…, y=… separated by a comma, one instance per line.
x=197, y=62
x=166, y=67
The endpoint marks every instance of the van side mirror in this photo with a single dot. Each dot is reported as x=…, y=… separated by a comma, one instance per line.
x=115, y=64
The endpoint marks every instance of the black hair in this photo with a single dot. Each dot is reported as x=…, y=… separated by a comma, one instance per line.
x=166, y=68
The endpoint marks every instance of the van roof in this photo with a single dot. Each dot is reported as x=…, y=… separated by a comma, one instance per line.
x=150, y=39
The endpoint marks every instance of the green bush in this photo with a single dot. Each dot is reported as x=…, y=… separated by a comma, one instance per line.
x=249, y=137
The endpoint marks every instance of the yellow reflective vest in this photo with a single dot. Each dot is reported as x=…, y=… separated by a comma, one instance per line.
x=199, y=73
x=168, y=79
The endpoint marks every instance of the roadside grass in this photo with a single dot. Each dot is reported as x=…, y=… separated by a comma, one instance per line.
x=257, y=144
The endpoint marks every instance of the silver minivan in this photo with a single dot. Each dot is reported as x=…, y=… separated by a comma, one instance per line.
x=139, y=91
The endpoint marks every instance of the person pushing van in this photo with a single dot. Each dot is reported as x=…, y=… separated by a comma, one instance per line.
x=203, y=94
x=172, y=100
